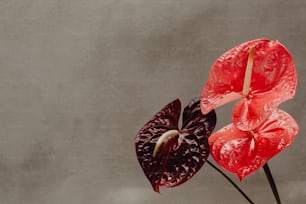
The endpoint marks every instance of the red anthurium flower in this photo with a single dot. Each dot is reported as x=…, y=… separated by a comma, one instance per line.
x=169, y=156
x=260, y=72
x=243, y=152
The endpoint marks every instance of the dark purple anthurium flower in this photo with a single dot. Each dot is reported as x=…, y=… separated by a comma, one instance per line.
x=169, y=156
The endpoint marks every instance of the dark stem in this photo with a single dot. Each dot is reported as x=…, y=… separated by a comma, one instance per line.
x=231, y=181
x=271, y=182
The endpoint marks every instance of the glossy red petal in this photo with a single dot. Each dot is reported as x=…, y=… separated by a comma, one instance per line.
x=243, y=152
x=233, y=149
x=248, y=114
x=226, y=78
x=273, y=81
x=275, y=134
x=273, y=71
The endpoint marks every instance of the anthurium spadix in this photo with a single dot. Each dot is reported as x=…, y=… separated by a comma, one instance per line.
x=261, y=73
x=169, y=156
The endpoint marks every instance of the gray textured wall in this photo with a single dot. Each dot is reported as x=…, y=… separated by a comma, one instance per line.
x=79, y=78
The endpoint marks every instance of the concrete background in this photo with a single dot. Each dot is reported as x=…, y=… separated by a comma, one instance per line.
x=79, y=78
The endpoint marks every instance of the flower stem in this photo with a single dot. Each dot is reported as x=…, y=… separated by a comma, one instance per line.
x=231, y=181
x=271, y=182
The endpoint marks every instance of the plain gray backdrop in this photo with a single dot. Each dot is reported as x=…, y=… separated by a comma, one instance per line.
x=79, y=78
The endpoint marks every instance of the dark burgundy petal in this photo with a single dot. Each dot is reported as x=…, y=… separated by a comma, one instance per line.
x=192, y=116
x=191, y=149
x=179, y=157
x=166, y=119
